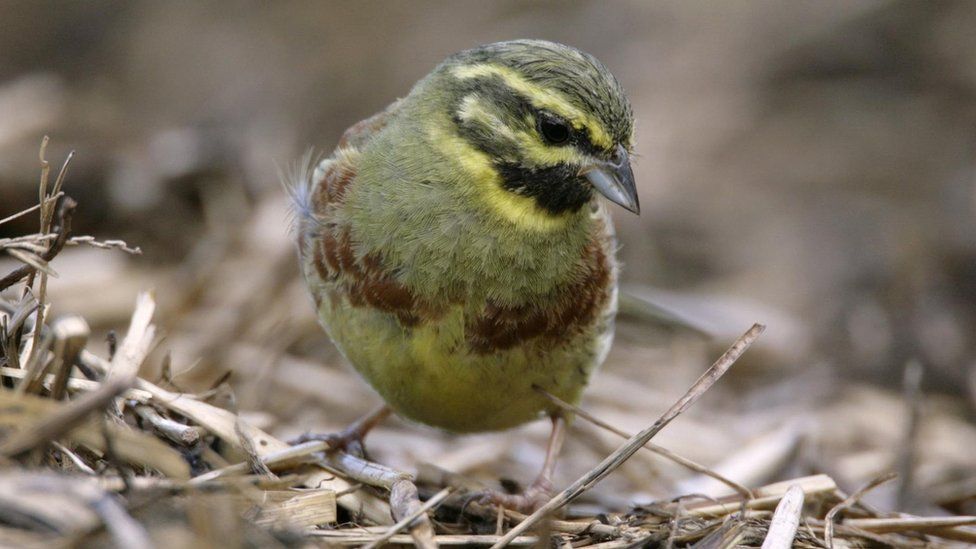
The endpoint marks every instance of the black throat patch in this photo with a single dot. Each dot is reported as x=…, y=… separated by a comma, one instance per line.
x=556, y=189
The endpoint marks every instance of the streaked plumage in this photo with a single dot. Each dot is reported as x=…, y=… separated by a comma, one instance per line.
x=453, y=244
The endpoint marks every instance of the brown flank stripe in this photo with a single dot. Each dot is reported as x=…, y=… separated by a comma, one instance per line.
x=365, y=282
x=564, y=313
x=329, y=192
x=331, y=189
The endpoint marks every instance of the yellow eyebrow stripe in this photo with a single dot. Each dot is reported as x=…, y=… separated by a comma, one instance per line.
x=472, y=108
x=540, y=97
x=521, y=211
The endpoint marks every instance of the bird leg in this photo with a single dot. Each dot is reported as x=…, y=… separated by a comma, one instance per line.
x=350, y=439
x=540, y=491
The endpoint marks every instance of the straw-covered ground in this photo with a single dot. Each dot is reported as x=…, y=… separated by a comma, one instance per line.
x=164, y=420
x=805, y=165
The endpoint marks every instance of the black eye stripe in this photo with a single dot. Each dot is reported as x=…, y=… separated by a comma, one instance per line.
x=493, y=88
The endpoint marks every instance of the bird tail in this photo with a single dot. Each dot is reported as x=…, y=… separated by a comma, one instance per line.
x=297, y=181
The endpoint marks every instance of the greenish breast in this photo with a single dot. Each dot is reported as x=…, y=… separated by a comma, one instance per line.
x=426, y=374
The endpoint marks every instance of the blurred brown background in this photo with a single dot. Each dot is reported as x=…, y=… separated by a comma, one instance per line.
x=810, y=165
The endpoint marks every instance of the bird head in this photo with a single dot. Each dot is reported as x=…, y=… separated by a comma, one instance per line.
x=541, y=126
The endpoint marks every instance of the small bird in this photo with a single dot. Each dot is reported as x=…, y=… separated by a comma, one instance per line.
x=456, y=248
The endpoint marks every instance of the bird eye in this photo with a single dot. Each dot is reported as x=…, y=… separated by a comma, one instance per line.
x=554, y=129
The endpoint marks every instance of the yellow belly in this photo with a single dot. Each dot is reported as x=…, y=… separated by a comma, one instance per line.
x=428, y=374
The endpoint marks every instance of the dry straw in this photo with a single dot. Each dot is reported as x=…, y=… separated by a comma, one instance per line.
x=91, y=448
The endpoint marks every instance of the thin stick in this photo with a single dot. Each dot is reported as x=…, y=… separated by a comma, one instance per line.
x=766, y=496
x=59, y=180
x=907, y=455
x=46, y=214
x=786, y=519
x=33, y=208
x=105, y=244
x=125, y=530
x=622, y=454
x=405, y=521
x=70, y=337
x=38, y=243
x=75, y=384
x=42, y=184
x=35, y=367
x=360, y=470
x=75, y=458
x=847, y=503
x=650, y=446
x=185, y=435
x=906, y=524
x=341, y=538
x=33, y=259
x=289, y=455
x=571, y=527
x=246, y=443
x=65, y=208
x=138, y=339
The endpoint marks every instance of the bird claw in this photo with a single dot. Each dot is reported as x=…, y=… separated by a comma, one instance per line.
x=350, y=439
x=534, y=497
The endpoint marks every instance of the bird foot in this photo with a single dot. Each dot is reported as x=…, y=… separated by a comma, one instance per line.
x=532, y=498
x=350, y=439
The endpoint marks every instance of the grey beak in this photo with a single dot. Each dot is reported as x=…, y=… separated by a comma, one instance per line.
x=614, y=179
